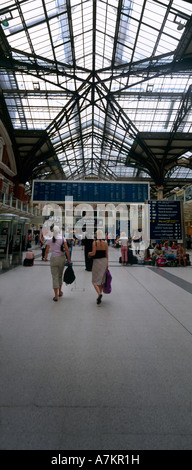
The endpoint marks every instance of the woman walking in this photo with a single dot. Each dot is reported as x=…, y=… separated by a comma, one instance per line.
x=57, y=260
x=100, y=263
x=124, y=247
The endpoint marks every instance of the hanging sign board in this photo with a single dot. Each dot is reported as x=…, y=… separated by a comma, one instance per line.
x=86, y=191
x=165, y=220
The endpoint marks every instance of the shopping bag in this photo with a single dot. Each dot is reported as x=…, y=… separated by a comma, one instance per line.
x=107, y=284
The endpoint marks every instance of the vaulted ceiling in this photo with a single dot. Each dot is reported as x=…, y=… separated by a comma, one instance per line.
x=98, y=88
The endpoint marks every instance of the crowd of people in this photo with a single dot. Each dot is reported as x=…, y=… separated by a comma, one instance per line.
x=169, y=251
x=96, y=255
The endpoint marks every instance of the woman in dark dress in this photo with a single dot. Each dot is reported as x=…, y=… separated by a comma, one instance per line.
x=87, y=243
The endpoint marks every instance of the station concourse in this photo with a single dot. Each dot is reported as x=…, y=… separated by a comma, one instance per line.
x=80, y=376
x=95, y=105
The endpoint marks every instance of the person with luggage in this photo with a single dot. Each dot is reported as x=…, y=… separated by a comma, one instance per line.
x=100, y=263
x=29, y=258
x=57, y=260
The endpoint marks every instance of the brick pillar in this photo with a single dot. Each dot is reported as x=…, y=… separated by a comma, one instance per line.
x=10, y=188
x=21, y=191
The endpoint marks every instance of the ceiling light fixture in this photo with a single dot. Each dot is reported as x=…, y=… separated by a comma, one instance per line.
x=4, y=22
x=180, y=26
x=180, y=21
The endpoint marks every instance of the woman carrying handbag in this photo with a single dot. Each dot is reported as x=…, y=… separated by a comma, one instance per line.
x=100, y=263
x=57, y=260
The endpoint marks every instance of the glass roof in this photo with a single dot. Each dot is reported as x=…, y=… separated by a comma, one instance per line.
x=94, y=75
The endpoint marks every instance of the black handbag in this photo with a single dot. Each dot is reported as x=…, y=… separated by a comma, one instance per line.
x=69, y=275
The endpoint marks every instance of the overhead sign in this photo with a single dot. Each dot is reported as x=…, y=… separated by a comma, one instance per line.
x=165, y=220
x=86, y=191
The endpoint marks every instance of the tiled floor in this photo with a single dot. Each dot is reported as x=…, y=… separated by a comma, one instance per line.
x=78, y=376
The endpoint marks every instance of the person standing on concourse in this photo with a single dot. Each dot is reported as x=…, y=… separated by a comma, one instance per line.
x=100, y=263
x=124, y=247
x=57, y=260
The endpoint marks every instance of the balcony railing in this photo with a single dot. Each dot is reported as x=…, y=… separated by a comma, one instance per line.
x=9, y=201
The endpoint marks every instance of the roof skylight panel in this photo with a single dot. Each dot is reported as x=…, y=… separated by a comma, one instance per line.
x=14, y=24
x=59, y=53
x=101, y=23
x=104, y=46
x=170, y=29
x=137, y=9
x=186, y=6
x=19, y=42
x=79, y=50
x=51, y=5
x=102, y=115
x=181, y=172
x=40, y=39
x=85, y=61
x=7, y=3
x=88, y=42
x=154, y=16
x=133, y=28
x=108, y=23
x=31, y=8
x=144, y=49
x=166, y=44
x=186, y=124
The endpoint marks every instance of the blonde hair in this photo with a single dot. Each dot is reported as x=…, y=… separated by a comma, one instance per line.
x=56, y=231
x=123, y=234
x=99, y=234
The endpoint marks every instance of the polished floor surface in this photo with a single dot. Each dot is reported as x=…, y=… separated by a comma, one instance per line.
x=78, y=376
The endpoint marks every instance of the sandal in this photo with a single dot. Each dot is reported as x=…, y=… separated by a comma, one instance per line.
x=99, y=299
x=55, y=300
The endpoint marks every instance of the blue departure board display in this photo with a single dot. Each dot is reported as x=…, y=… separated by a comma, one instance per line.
x=165, y=220
x=86, y=191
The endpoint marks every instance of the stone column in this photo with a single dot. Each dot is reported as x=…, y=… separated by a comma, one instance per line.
x=159, y=192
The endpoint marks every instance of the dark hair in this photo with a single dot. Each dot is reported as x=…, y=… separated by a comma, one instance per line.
x=53, y=239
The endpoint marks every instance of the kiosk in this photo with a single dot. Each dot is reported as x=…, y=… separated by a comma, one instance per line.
x=24, y=225
x=13, y=238
x=9, y=239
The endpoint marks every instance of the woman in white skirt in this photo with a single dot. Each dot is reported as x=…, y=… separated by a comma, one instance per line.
x=100, y=263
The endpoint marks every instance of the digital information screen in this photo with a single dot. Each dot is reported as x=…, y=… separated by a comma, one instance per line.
x=165, y=220
x=55, y=191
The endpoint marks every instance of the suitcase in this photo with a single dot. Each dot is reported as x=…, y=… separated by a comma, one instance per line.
x=141, y=261
x=28, y=262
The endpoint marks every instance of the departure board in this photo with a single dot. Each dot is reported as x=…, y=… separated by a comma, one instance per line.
x=165, y=220
x=86, y=191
